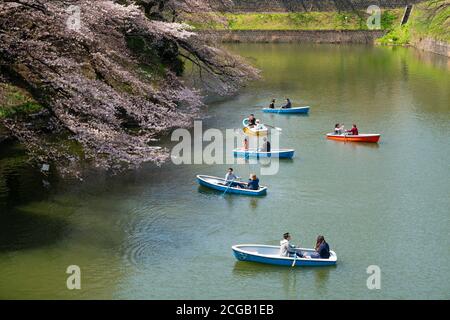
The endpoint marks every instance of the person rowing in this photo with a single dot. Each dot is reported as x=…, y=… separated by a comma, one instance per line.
x=287, y=249
x=288, y=104
x=230, y=178
x=338, y=129
x=272, y=104
x=251, y=121
x=353, y=131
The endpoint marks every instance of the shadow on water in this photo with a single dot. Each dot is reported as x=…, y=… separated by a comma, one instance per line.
x=22, y=230
x=20, y=184
x=290, y=277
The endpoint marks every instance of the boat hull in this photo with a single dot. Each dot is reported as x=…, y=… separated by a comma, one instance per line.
x=372, y=138
x=287, y=111
x=214, y=183
x=269, y=255
x=253, y=153
x=253, y=132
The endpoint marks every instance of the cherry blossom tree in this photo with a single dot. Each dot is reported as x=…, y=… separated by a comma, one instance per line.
x=113, y=85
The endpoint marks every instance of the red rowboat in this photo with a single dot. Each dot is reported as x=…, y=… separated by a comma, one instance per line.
x=363, y=137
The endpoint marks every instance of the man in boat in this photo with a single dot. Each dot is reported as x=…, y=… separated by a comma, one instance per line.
x=266, y=145
x=272, y=104
x=339, y=128
x=251, y=121
x=353, y=131
x=288, y=104
x=287, y=249
x=230, y=176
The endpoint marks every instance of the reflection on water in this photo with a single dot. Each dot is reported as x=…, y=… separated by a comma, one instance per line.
x=154, y=233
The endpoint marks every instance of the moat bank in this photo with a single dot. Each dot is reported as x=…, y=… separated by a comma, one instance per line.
x=293, y=36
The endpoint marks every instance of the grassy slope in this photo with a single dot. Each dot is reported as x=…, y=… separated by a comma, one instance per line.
x=15, y=101
x=295, y=21
x=419, y=26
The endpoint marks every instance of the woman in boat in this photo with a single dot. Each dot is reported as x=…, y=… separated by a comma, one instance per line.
x=253, y=182
x=288, y=104
x=322, y=249
x=245, y=144
x=353, y=131
x=266, y=145
x=272, y=104
x=286, y=249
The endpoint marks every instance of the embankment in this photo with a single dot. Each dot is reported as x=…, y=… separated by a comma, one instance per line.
x=293, y=36
x=432, y=45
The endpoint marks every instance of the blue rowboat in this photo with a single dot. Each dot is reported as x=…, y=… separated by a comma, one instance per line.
x=287, y=110
x=271, y=255
x=222, y=185
x=254, y=153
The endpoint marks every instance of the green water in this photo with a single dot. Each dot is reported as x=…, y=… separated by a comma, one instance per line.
x=154, y=233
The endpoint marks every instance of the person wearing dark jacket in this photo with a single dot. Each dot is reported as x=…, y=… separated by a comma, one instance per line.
x=272, y=104
x=322, y=249
x=288, y=104
x=266, y=145
x=253, y=182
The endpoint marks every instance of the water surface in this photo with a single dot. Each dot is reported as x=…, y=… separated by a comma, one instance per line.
x=154, y=234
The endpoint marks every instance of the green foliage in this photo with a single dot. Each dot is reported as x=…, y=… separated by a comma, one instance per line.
x=432, y=19
x=389, y=18
x=26, y=108
x=15, y=102
x=295, y=21
x=400, y=35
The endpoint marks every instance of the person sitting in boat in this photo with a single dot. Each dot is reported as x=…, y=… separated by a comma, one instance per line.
x=251, y=121
x=259, y=125
x=230, y=176
x=288, y=104
x=337, y=129
x=245, y=144
x=253, y=182
x=322, y=249
x=353, y=131
x=266, y=145
x=287, y=249
x=272, y=104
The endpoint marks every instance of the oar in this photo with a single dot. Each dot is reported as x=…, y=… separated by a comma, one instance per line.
x=231, y=182
x=295, y=258
x=276, y=128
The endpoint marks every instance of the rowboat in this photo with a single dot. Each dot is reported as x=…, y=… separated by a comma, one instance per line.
x=287, y=110
x=254, y=153
x=363, y=137
x=222, y=185
x=271, y=255
x=256, y=132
